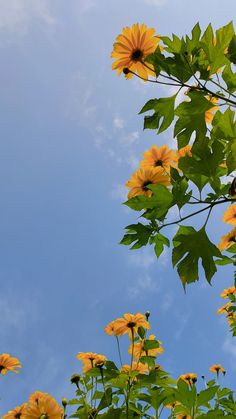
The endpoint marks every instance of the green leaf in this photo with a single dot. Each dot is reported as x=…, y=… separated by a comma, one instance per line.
x=138, y=233
x=206, y=395
x=160, y=242
x=163, y=113
x=230, y=78
x=191, y=118
x=190, y=246
x=232, y=50
x=150, y=344
x=161, y=200
x=106, y=399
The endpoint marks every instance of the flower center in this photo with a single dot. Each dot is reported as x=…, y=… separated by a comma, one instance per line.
x=17, y=415
x=137, y=55
x=145, y=184
x=44, y=416
x=158, y=162
x=131, y=325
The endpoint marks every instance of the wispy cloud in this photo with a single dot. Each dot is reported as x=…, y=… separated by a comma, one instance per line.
x=181, y=324
x=154, y=2
x=17, y=15
x=141, y=286
x=119, y=192
x=142, y=258
x=229, y=347
x=118, y=122
x=130, y=138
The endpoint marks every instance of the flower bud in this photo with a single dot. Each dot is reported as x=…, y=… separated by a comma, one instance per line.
x=75, y=379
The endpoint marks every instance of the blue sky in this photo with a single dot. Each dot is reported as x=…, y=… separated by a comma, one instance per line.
x=70, y=138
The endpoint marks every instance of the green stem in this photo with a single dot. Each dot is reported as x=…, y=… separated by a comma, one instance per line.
x=210, y=206
x=219, y=85
x=119, y=352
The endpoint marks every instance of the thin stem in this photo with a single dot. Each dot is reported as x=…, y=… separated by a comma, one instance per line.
x=153, y=81
x=211, y=205
x=219, y=85
x=119, y=352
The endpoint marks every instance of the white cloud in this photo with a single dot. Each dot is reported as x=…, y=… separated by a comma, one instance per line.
x=142, y=258
x=119, y=192
x=229, y=347
x=133, y=161
x=141, y=286
x=16, y=315
x=181, y=323
x=167, y=302
x=80, y=106
x=155, y=2
x=17, y=15
x=131, y=138
x=118, y=122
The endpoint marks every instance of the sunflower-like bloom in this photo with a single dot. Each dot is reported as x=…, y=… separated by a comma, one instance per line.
x=109, y=329
x=34, y=397
x=45, y=408
x=146, y=176
x=184, y=416
x=228, y=240
x=224, y=309
x=163, y=157
x=140, y=368
x=228, y=291
x=132, y=47
x=90, y=360
x=16, y=413
x=8, y=363
x=209, y=115
x=216, y=368
x=230, y=215
x=189, y=378
x=138, y=350
x=130, y=323
x=184, y=151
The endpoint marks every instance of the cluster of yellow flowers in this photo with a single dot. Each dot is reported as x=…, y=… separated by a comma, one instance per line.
x=229, y=239
x=40, y=406
x=155, y=169
x=231, y=316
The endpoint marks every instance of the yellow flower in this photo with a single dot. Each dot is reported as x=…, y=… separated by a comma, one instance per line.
x=184, y=151
x=228, y=291
x=144, y=177
x=90, y=360
x=34, y=397
x=16, y=413
x=184, y=416
x=224, y=309
x=172, y=405
x=130, y=323
x=162, y=157
x=138, y=350
x=216, y=368
x=140, y=368
x=109, y=329
x=8, y=363
x=228, y=240
x=209, y=115
x=132, y=47
x=189, y=378
x=230, y=215
x=46, y=408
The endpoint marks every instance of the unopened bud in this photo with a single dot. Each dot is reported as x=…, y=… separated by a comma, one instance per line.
x=147, y=315
x=75, y=379
x=64, y=402
x=126, y=70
